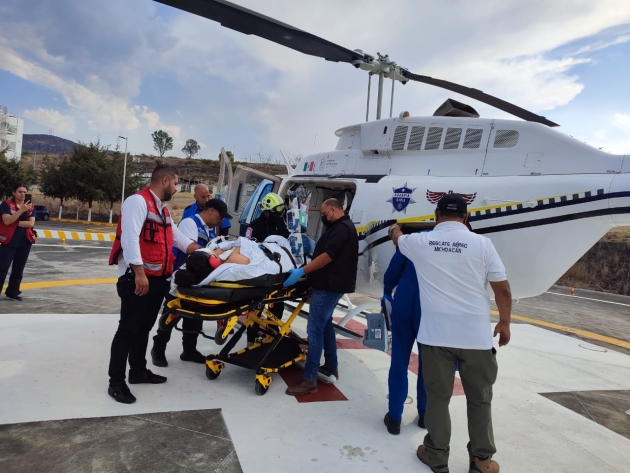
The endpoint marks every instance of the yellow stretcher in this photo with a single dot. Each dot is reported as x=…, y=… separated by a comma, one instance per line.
x=244, y=304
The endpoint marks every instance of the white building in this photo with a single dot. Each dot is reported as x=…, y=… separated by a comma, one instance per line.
x=11, y=131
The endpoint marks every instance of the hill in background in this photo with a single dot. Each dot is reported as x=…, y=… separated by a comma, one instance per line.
x=46, y=144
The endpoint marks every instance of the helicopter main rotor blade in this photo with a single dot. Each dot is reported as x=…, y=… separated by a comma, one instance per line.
x=248, y=22
x=481, y=97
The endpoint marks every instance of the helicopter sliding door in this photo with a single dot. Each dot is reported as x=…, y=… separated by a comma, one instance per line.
x=245, y=193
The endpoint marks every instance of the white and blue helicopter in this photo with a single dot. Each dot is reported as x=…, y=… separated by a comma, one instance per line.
x=543, y=198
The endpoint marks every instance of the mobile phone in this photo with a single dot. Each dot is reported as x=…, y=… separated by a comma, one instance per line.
x=29, y=198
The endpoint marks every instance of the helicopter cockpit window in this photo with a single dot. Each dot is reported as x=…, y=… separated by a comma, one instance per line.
x=505, y=139
x=400, y=136
x=415, y=139
x=434, y=137
x=453, y=136
x=472, y=140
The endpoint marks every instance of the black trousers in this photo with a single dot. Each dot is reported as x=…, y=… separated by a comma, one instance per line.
x=137, y=317
x=189, y=340
x=18, y=256
x=277, y=310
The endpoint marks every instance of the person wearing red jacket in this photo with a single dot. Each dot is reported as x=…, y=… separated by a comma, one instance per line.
x=144, y=237
x=16, y=239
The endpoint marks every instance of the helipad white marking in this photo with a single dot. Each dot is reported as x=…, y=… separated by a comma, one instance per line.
x=62, y=373
x=587, y=298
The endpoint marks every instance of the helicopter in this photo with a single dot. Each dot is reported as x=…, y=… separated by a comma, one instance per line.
x=543, y=198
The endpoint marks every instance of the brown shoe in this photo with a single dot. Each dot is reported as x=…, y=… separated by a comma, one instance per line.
x=303, y=387
x=425, y=457
x=477, y=465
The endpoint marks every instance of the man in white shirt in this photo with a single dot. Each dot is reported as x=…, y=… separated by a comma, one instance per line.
x=199, y=227
x=454, y=266
x=142, y=250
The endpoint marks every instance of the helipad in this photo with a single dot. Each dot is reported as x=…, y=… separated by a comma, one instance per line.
x=559, y=404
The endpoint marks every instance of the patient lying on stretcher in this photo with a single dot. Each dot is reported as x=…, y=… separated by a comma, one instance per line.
x=234, y=261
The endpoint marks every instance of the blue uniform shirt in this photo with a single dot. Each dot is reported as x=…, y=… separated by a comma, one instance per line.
x=194, y=209
x=400, y=270
x=180, y=256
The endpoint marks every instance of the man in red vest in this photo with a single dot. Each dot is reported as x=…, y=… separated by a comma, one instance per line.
x=144, y=237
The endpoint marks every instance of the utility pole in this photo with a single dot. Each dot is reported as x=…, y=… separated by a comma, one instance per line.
x=124, y=176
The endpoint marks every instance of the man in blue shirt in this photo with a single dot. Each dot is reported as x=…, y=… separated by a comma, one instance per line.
x=200, y=227
x=202, y=195
x=405, y=317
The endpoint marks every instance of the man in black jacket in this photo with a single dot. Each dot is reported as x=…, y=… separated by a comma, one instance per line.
x=332, y=273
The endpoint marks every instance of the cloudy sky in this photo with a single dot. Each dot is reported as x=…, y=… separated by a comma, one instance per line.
x=94, y=68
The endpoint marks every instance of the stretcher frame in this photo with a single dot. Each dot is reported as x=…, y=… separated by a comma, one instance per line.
x=277, y=349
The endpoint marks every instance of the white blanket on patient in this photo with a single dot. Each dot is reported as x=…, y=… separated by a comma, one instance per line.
x=259, y=263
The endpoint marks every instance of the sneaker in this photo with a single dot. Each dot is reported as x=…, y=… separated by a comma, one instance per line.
x=193, y=356
x=421, y=423
x=121, y=393
x=425, y=457
x=14, y=298
x=147, y=377
x=393, y=426
x=159, y=358
x=487, y=465
x=331, y=372
x=302, y=388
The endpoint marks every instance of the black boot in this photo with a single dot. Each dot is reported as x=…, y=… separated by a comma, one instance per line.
x=393, y=426
x=158, y=357
x=194, y=356
x=147, y=377
x=121, y=393
x=421, y=423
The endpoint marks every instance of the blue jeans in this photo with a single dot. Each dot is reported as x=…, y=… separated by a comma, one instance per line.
x=321, y=334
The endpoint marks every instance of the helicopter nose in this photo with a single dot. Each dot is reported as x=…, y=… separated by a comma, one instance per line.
x=619, y=199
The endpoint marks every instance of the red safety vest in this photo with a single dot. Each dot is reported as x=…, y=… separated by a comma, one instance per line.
x=156, y=240
x=7, y=231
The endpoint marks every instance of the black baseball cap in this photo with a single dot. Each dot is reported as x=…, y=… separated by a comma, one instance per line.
x=453, y=203
x=219, y=206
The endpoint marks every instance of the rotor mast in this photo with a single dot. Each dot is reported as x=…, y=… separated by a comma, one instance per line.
x=385, y=69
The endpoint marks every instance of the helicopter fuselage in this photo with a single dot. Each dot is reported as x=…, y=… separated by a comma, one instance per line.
x=543, y=198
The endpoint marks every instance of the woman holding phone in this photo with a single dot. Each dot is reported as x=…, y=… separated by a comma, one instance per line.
x=16, y=238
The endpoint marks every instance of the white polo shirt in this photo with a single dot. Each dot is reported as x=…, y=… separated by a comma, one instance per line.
x=454, y=266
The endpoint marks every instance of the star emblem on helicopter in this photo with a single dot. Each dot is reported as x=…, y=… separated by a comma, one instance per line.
x=401, y=198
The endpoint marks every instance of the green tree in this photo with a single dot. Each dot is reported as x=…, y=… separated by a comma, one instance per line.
x=12, y=173
x=191, y=148
x=162, y=142
x=56, y=180
x=87, y=164
x=230, y=156
x=112, y=180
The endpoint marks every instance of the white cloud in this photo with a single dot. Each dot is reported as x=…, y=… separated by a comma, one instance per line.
x=274, y=97
x=615, y=139
x=622, y=120
x=52, y=119
x=598, y=46
x=154, y=123
x=101, y=111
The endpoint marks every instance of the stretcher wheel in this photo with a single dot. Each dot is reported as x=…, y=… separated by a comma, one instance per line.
x=260, y=389
x=211, y=374
x=213, y=369
x=166, y=320
x=261, y=386
x=218, y=336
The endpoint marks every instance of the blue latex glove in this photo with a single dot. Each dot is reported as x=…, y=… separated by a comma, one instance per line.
x=294, y=277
